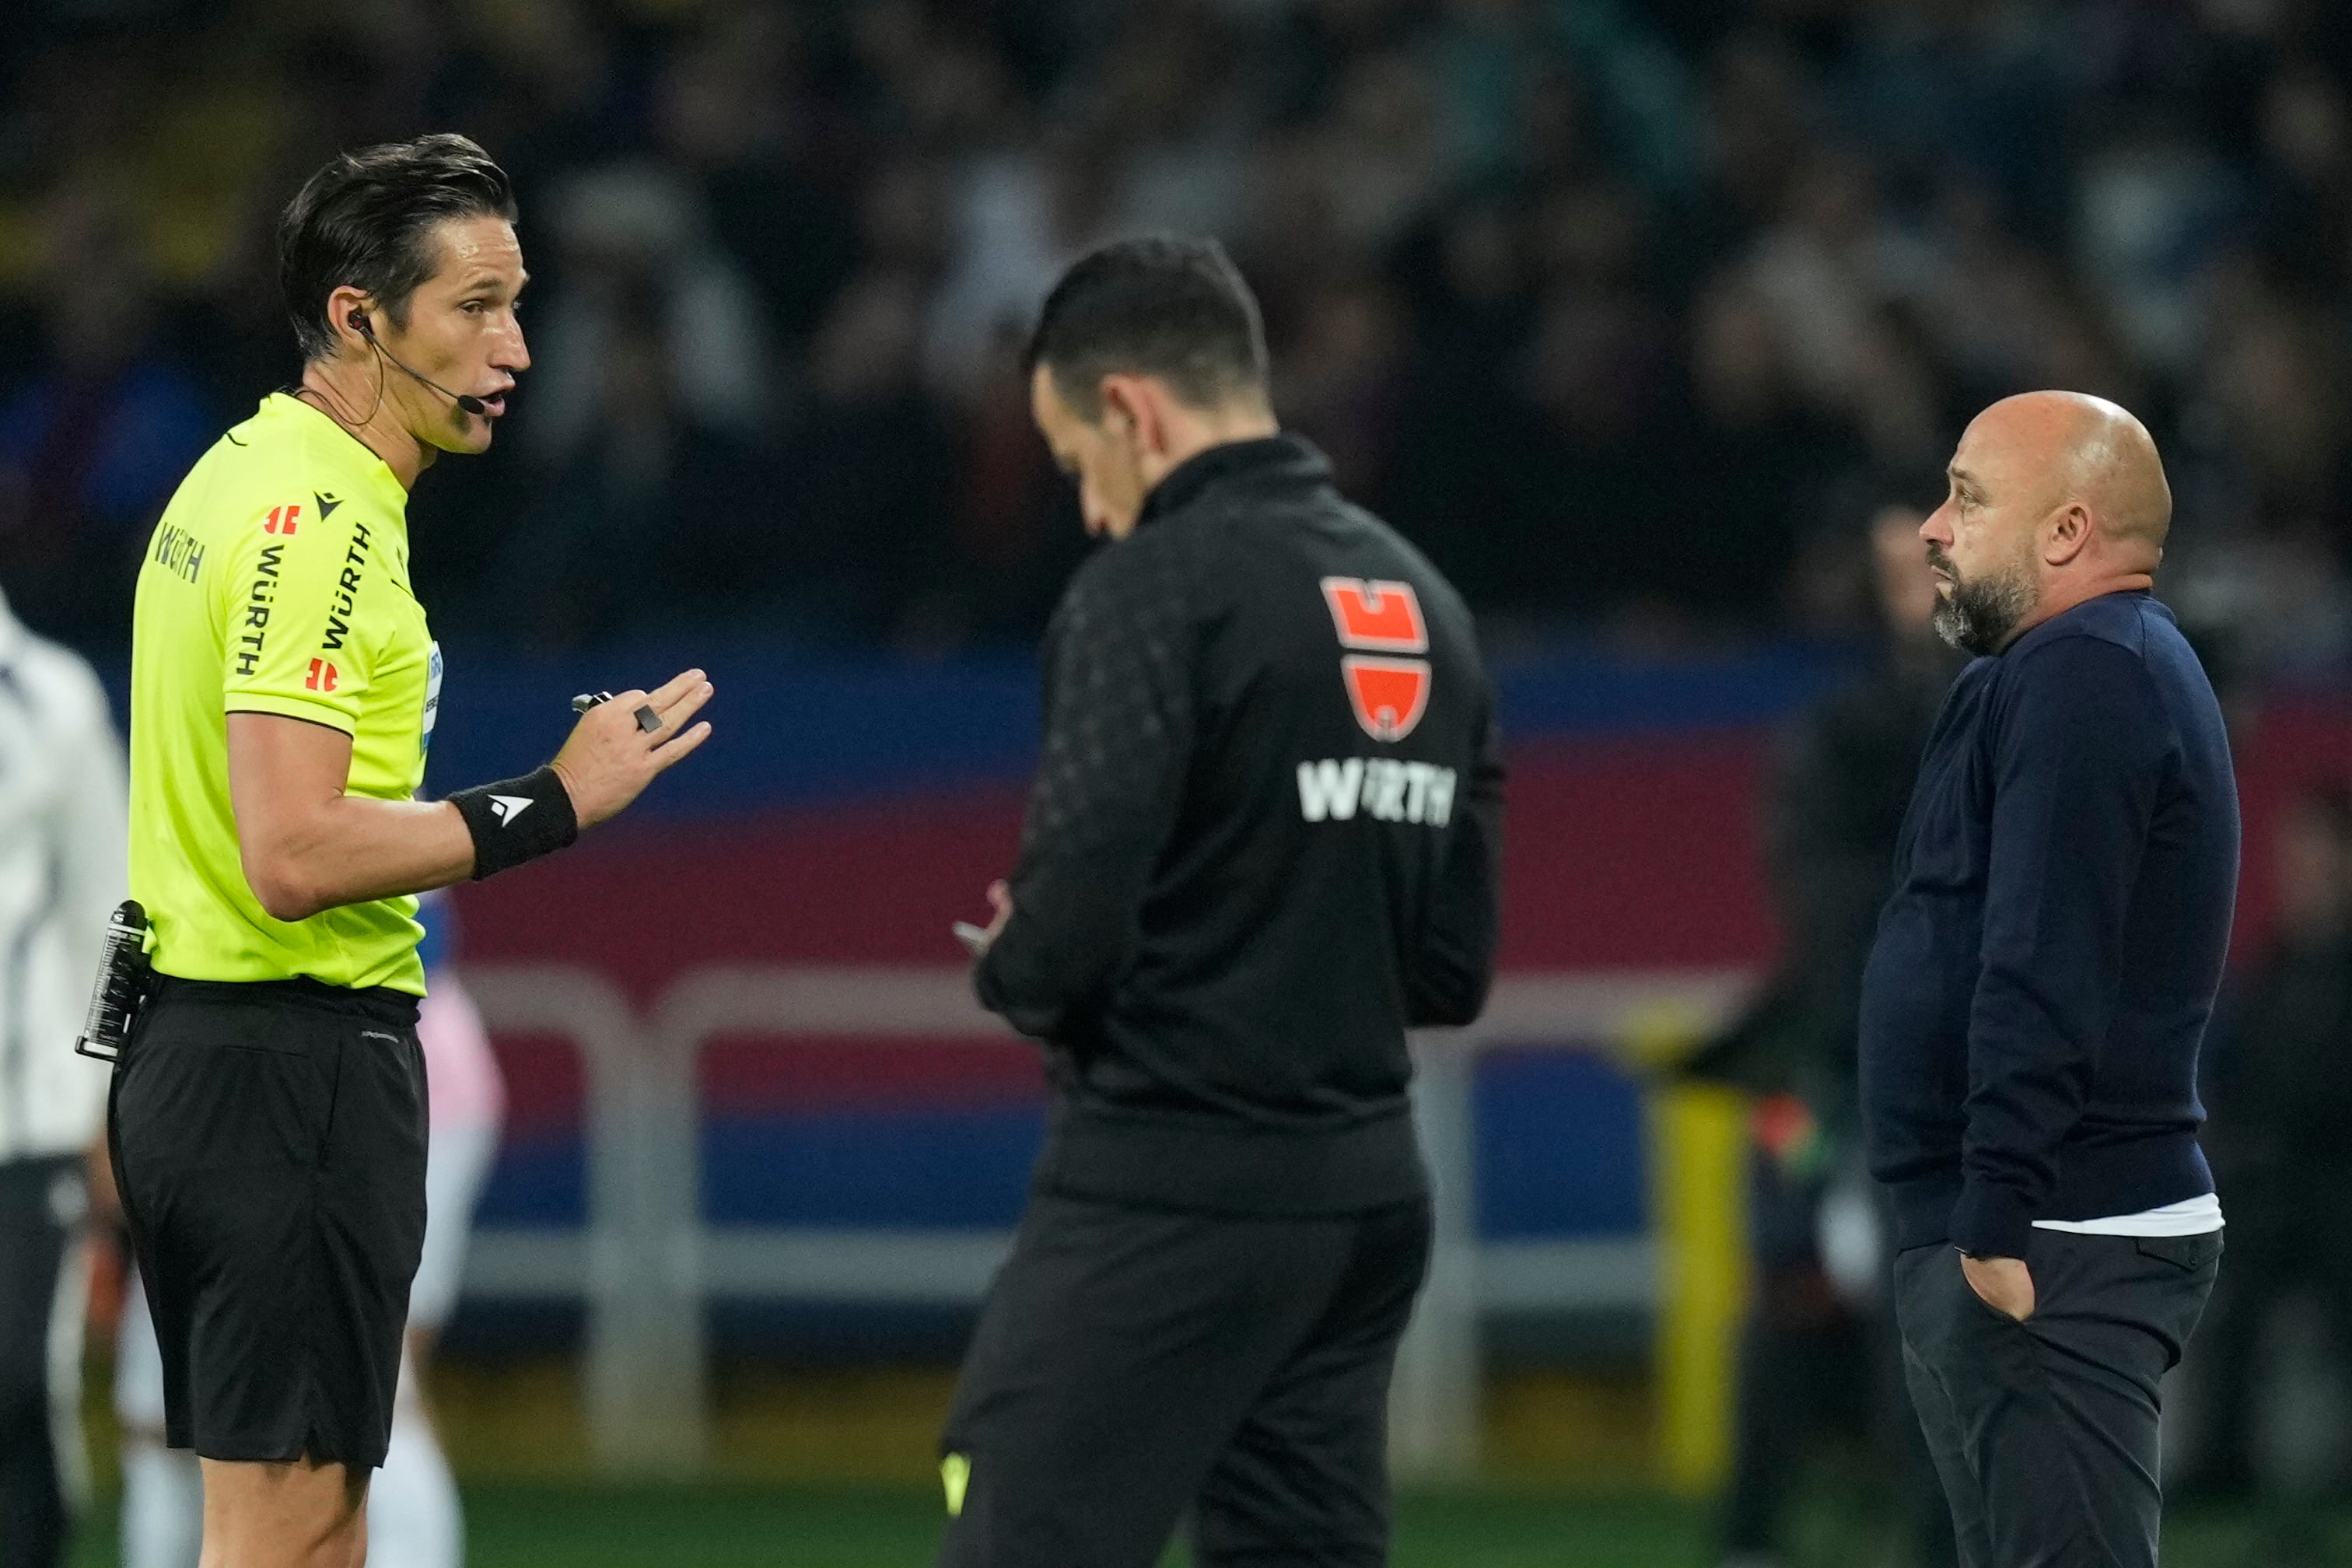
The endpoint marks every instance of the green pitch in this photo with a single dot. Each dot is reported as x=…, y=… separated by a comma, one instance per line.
x=564, y=1527
x=853, y=1529
x=548, y=1527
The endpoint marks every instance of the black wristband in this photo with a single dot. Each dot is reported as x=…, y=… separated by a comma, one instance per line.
x=517, y=820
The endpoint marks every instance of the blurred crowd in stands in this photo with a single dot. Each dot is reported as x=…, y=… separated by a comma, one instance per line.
x=1631, y=311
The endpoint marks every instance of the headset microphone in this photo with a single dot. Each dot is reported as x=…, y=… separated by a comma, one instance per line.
x=467, y=401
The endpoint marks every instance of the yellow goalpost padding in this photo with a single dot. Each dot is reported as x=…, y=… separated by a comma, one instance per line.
x=1698, y=1184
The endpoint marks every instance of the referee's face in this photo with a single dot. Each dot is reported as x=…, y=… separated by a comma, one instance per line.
x=1103, y=461
x=462, y=333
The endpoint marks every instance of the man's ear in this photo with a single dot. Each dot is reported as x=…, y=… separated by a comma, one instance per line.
x=1128, y=400
x=347, y=307
x=2066, y=534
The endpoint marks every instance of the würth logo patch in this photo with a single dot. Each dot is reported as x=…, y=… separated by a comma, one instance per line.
x=282, y=519
x=1377, y=617
x=1377, y=621
x=1389, y=694
x=323, y=676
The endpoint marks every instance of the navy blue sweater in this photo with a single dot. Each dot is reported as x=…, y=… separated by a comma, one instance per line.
x=2046, y=963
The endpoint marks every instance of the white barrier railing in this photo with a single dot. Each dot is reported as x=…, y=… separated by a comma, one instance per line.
x=646, y=1265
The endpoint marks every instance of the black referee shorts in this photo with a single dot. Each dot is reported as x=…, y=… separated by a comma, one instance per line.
x=269, y=1144
x=1131, y=1363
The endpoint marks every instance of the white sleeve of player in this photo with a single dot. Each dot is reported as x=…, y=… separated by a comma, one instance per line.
x=92, y=830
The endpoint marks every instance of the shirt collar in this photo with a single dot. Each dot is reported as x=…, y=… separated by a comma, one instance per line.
x=346, y=451
x=2089, y=609
x=1266, y=460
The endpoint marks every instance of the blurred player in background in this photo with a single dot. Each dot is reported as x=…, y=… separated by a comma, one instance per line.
x=414, y=1517
x=2281, y=1089
x=1820, y=1354
x=61, y=874
x=414, y=1521
x=1260, y=844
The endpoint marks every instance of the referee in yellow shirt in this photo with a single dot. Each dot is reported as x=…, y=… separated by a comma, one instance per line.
x=267, y=1114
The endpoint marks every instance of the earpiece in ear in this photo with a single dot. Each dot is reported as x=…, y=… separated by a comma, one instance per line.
x=359, y=324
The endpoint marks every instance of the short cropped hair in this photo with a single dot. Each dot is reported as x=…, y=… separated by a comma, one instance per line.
x=1169, y=306
x=366, y=219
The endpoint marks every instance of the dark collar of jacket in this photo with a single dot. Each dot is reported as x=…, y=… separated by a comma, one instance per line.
x=1269, y=460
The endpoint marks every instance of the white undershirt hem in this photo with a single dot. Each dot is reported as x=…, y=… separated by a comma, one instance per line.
x=2190, y=1216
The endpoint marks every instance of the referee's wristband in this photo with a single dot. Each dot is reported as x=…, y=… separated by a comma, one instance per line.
x=517, y=820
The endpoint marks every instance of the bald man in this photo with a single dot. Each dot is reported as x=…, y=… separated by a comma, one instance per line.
x=2038, y=990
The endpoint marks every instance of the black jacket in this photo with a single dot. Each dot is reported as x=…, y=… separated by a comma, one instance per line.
x=1262, y=843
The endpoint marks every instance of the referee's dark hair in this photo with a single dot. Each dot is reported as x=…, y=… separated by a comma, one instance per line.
x=1170, y=306
x=366, y=219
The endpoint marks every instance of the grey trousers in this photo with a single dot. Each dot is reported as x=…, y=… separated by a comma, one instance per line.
x=2045, y=1432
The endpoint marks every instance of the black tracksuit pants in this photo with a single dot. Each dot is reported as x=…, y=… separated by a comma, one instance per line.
x=42, y=1206
x=1130, y=1363
x=2045, y=1431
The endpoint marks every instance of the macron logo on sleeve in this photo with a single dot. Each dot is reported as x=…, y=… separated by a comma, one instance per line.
x=507, y=807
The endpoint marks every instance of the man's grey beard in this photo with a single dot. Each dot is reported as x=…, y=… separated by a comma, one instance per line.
x=1982, y=612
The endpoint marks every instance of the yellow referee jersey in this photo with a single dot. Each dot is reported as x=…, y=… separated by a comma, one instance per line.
x=277, y=582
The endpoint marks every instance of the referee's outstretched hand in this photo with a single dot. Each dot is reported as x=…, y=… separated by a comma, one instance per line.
x=611, y=757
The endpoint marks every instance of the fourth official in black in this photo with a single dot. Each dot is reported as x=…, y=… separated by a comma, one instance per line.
x=1262, y=845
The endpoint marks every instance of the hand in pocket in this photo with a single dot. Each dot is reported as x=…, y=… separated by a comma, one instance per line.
x=2004, y=1284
